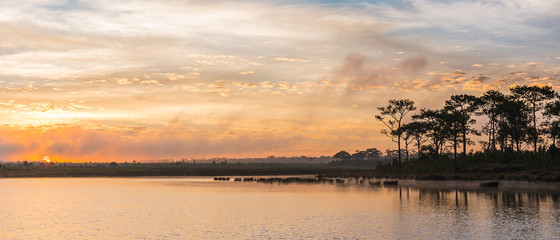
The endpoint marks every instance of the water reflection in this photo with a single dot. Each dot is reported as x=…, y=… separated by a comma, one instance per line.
x=479, y=214
x=199, y=208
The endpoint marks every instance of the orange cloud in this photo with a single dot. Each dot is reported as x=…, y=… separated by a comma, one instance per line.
x=533, y=64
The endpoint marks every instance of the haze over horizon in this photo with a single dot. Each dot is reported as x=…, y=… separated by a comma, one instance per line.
x=116, y=81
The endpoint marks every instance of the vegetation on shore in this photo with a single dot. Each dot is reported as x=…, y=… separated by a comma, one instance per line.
x=521, y=133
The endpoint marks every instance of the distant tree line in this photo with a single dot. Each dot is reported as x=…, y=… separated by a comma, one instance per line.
x=367, y=157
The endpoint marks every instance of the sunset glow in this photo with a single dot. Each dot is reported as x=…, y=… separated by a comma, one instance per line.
x=138, y=80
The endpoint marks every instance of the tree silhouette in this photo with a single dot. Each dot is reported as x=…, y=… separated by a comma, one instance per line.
x=407, y=137
x=511, y=129
x=342, y=155
x=416, y=131
x=359, y=156
x=515, y=121
x=372, y=153
x=490, y=102
x=462, y=107
x=453, y=126
x=435, y=125
x=392, y=117
x=552, y=124
x=534, y=96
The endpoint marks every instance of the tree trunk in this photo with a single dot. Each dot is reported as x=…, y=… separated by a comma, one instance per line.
x=465, y=141
x=490, y=138
x=406, y=149
x=536, y=137
x=494, y=135
x=455, y=150
x=418, y=141
x=399, y=149
x=436, y=148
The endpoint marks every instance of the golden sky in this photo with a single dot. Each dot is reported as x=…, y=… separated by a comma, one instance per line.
x=137, y=80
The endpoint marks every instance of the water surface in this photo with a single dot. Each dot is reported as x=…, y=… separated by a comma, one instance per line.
x=200, y=208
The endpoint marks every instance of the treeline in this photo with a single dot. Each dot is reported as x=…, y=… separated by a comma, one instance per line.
x=527, y=119
x=369, y=157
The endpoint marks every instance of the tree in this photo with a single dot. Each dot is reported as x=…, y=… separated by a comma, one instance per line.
x=342, y=156
x=552, y=127
x=534, y=96
x=462, y=107
x=434, y=125
x=372, y=153
x=490, y=102
x=514, y=122
x=415, y=130
x=407, y=140
x=552, y=124
x=392, y=117
x=452, y=126
x=359, y=156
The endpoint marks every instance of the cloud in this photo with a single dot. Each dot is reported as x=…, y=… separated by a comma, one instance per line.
x=476, y=82
x=9, y=148
x=442, y=81
x=477, y=65
x=285, y=59
x=219, y=88
x=360, y=72
x=498, y=84
x=443, y=63
x=414, y=64
x=458, y=73
x=534, y=64
x=246, y=72
x=481, y=78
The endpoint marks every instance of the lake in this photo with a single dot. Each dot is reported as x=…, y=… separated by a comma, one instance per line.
x=200, y=208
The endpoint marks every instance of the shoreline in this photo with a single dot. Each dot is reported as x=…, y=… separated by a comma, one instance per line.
x=530, y=176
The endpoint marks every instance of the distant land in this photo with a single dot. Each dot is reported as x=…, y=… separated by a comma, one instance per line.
x=269, y=167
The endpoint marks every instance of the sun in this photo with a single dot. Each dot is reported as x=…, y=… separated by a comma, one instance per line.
x=46, y=159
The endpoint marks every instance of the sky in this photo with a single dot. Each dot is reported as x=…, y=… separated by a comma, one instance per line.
x=103, y=80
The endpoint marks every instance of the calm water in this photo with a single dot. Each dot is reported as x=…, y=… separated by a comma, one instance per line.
x=199, y=208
